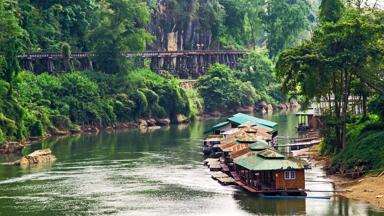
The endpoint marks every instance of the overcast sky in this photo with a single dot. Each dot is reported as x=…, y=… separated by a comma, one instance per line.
x=380, y=3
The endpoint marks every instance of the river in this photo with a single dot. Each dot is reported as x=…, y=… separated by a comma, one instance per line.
x=148, y=173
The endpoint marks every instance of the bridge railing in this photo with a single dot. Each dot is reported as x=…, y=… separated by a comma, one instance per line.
x=146, y=54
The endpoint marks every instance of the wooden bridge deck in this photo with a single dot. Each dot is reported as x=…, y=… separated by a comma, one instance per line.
x=145, y=54
x=183, y=64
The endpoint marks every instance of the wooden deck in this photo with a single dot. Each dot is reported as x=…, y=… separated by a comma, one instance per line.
x=301, y=144
x=223, y=178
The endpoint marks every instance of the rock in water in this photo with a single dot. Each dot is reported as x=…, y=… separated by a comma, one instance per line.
x=142, y=123
x=151, y=122
x=180, y=118
x=163, y=122
x=36, y=158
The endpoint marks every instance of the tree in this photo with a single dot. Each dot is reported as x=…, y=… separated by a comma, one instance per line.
x=331, y=10
x=258, y=69
x=222, y=90
x=121, y=28
x=12, y=39
x=338, y=54
x=283, y=21
x=48, y=23
x=253, y=21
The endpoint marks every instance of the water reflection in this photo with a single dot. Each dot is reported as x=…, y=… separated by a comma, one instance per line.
x=158, y=172
x=261, y=206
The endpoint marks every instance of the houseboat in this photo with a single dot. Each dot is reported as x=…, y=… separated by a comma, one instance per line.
x=247, y=156
x=227, y=131
x=267, y=172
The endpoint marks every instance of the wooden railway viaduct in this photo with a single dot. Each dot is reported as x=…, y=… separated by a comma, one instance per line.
x=183, y=64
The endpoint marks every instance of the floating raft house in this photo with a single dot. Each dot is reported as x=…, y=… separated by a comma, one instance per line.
x=243, y=119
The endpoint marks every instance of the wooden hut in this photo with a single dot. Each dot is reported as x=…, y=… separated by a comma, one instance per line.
x=266, y=172
x=309, y=119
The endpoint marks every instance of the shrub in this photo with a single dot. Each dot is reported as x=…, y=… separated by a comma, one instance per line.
x=221, y=90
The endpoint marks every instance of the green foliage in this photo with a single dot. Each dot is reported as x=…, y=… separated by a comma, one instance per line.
x=364, y=146
x=337, y=61
x=66, y=52
x=49, y=103
x=121, y=28
x=3, y=138
x=12, y=40
x=258, y=69
x=377, y=105
x=284, y=21
x=331, y=10
x=222, y=90
x=196, y=102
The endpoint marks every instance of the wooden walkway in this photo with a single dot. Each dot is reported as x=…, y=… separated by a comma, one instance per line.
x=303, y=144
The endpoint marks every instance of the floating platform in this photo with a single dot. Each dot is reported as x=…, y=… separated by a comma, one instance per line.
x=223, y=178
x=210, y=160
x=215, y=167
x=300, y=145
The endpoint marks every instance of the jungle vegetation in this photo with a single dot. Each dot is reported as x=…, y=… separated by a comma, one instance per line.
x=343, y=58
x=40, y=104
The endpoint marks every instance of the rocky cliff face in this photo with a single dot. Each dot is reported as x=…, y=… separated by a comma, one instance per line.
x=182, y=25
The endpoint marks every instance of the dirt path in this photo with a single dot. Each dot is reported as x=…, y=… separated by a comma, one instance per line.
x=368, y=189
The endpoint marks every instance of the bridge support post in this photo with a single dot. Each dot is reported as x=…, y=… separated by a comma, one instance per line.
x=50, y=65
x=90, y=64
x=195, y=66
x=201, y=64
x=155, y=64
x=29, y=64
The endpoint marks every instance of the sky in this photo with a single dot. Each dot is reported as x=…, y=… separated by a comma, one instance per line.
x=380, y=3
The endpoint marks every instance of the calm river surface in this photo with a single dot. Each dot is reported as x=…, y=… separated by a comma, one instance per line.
x=148, y=173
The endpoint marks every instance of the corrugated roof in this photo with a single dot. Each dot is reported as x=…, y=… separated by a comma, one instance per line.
x=234, y=147
x=241, y=118
x=271, y=154
x=247, y=138
x=259, y=146
x=219, y=125
x=253, y=161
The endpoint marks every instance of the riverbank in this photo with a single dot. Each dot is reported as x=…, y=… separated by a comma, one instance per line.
x=366, y=188
x=12, y=147
x=262, y=108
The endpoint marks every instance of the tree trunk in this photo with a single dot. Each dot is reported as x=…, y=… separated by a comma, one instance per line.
x=346, y=92
x=337, y=111
x=364, y=106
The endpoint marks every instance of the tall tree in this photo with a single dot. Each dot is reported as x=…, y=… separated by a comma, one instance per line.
x=331, y=10
x=284, y=20
x=337, y=55
x=12, y=39
x=121, y=28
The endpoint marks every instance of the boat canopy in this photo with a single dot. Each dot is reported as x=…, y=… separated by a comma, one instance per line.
x=243, y=120
x=266, y=160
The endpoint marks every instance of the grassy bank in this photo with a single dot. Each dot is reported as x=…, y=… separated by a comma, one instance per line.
x=364, y=150
x=52, y=103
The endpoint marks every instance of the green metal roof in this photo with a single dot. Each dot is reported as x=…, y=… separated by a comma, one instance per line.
x=271, y=154
x=241, y=118
x=217, y=126
x=259, y=146
x=254, y=161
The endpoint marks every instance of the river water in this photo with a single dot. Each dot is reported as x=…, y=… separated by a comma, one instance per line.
x=148, y=173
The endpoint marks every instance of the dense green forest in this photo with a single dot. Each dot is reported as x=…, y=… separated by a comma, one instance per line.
x=118, y=91
x=343, y=58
